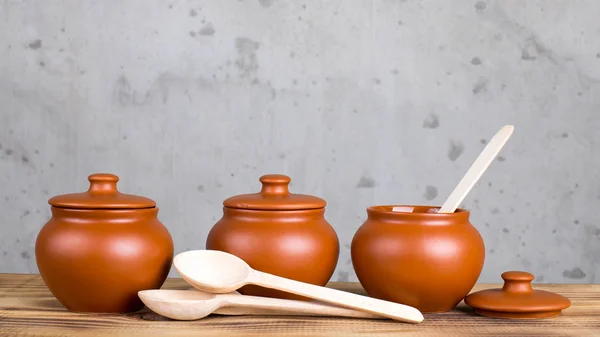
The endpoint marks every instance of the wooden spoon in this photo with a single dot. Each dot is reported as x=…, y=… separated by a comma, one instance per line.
x=190, y=305
x=477, y=168
x=220, y=272
x=473, y=174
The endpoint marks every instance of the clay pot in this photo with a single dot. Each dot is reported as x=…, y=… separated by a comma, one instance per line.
x=101, y=247
x=280, y=233
x=426, y=260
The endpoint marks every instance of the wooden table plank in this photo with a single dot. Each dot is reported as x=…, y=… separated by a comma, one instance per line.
x=28, y=309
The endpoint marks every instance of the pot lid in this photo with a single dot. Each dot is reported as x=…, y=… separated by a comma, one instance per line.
x=274, y=195
x=517, y=299
x=102, y=194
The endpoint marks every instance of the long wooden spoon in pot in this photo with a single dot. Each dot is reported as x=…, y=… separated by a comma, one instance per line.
x=473, y=174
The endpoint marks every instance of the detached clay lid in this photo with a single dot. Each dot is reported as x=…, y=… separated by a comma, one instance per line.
x=274, y=196
x=517, y=299
x=102, y=194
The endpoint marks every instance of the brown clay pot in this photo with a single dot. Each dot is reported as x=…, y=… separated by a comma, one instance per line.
x=101, y=247
x=280, y=233
x=426, y=260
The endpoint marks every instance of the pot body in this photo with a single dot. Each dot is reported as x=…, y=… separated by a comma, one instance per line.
x=296, y=244
x=97, y=260
x=425, y=260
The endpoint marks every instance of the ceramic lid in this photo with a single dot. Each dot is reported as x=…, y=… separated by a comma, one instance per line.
x=274, y=196
x=102, y=194
x=517, y=299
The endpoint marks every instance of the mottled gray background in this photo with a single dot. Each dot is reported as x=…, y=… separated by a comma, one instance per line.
x=360, y=102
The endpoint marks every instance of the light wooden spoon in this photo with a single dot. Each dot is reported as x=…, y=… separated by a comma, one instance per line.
x=220, y=272
x=190, y=305
x=473, y=174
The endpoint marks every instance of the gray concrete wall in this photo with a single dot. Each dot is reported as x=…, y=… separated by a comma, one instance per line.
x=360, y=102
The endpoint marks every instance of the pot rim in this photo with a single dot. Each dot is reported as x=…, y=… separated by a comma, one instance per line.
x=98, y=208
x=103, y=209
x=100, y=213
x=383, y=209
x=291, y=210
x=386, y=211
x=280, y=216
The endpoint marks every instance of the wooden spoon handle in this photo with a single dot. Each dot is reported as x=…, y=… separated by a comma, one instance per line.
x=244, y=311
x=254, y=305
x=371, y=305
x=476, y=170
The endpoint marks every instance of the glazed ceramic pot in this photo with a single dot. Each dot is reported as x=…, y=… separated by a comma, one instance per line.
x=427, y=260
x=101, y=247
x=280, y=233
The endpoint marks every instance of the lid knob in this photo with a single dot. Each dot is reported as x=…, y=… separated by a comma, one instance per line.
x=103, y=183
x=517, y=282
x=275, y=184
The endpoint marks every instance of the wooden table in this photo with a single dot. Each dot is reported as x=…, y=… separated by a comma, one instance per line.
x=27, y=308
